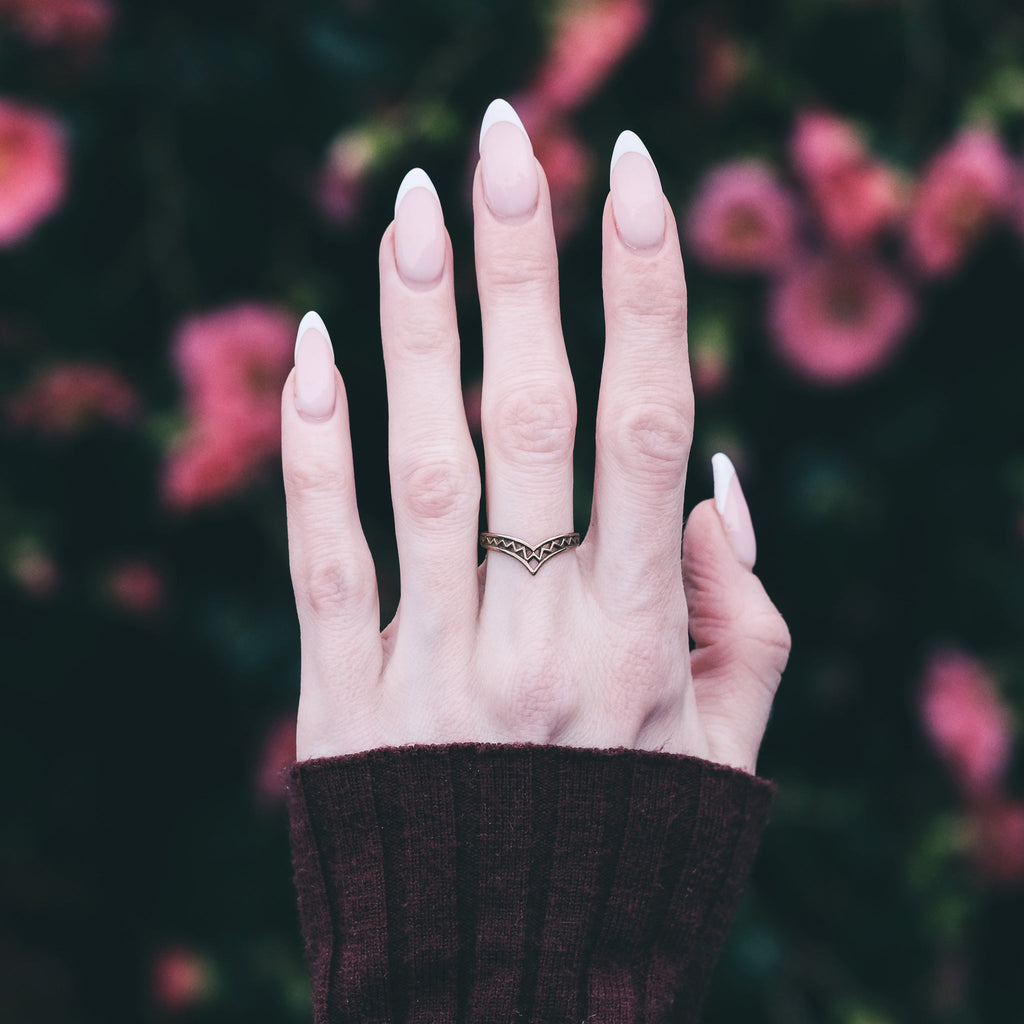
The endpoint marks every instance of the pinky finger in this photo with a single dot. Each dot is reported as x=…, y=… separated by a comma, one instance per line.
x=332, y=570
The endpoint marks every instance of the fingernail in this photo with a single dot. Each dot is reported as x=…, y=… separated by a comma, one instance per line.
x=637, y=202
x=509, y=171
x=314, y=369
x=732, y=507
x=419, y=230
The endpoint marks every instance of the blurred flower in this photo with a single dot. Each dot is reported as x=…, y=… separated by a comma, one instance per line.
x=205, y=467
x=340, y=184
x=710, y=353
x=234, y=360
x=60, y=22
x=66, y=397
x=742, y=218
x=137, y=586
x=966, y=721
x=34, y=570
x=181, y=978
x=276, y=757
x=998, y=847
x=823, y=144
x=962, y=191
x=855, y=196
x=719, y=64
x=33, y=169
x=836, y=319
x=569, y=168
x=591, y=38
x=233, y=363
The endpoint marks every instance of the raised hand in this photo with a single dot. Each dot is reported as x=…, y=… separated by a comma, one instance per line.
x=592, y=649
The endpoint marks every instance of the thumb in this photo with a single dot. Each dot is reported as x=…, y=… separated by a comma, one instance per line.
x=741, y=643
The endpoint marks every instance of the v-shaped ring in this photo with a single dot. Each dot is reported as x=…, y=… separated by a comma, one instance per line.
x=532, y=557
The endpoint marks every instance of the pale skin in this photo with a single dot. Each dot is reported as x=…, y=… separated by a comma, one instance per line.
x=593, y=650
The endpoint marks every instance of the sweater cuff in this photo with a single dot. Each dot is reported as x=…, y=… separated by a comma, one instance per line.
x=492, y=882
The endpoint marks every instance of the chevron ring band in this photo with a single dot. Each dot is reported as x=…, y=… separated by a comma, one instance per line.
x=532, y=558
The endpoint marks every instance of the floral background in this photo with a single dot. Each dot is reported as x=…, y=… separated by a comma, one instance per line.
x=181, y=180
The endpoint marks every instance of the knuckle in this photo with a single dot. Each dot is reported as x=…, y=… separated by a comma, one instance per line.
x=765, y=649
x=313, y=481
x=422, y=332
x=539, y=421
x=653, y=436
x=776, y=638
x=335, y=586
x=526, y=270
x=439, y=488
x=538, y=703
x=661, y=308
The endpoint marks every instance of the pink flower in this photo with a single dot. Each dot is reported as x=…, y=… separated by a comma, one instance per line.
x=137, y=586
x=966, y=722
x=964, y=189
x=855, y=196
x=339, y=188
x=33, y=169
x=835, y=320
x=233, y=363
x=823, y=144
x=205, y=467
x=68, y=396
x=719, y=64
x=742, y=218
x=857, y=203
x=592, y=37
x=277, y=756
x=180, y=978
x=60, y=22
x=998, y=847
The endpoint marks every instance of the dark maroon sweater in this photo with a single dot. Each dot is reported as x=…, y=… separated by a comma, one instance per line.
x=515, y=883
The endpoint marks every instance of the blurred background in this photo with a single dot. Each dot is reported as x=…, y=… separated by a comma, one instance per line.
x=181, y=180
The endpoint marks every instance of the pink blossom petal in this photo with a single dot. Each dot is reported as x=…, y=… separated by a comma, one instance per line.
x=742, y=218
x=591, y=39
x=835, y=319
x=181, y=978
x=998, y=848
x=67, y=397
x=78, y=23
x=966, y=721
x=964, y=189
x=233, y=363
x=33, y=169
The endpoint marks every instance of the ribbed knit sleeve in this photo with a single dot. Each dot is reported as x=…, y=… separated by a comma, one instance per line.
x=516, y=883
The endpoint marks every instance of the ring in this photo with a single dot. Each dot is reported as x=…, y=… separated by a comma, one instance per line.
x=532, y=558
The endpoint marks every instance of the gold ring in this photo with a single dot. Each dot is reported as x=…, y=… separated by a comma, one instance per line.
x=532, y=557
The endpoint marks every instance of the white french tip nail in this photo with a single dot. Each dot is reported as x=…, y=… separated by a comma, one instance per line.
x=416, y=178
x=724, y=472
x=627, y=142
x=499, y=110
x=311, y=319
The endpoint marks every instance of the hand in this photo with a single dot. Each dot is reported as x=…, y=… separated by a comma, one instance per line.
x=593, y=650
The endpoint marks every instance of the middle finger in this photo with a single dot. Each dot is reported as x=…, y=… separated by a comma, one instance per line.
x=528, y=404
